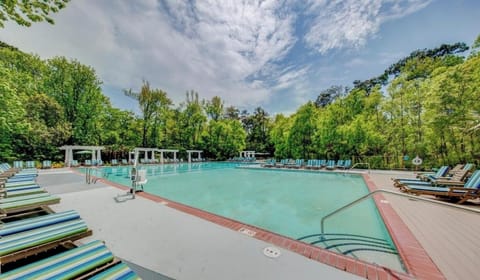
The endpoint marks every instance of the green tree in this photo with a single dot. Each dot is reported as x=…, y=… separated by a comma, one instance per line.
x=279, y=136
x=154, y=104
x=76, y=88
x=301, y=134
x=214, y=108
x=223, y=139
x=191, y=121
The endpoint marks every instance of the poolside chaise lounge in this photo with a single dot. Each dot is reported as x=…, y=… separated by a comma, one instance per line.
x=21, y=191
x=117, y=271
x=89, y=261
x=330, y=165
x=47, y=164
x=470, y=190
x=458, y=179
x=311, y=163
x=441, y=172
x=37, y=222
x=30, y=242
x=30, y=164
x=4, y=184
x=6, y=168
x=298, y=164
x=27, y=202
x=344, y=164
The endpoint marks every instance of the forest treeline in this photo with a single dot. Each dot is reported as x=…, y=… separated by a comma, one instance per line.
x=426, y=104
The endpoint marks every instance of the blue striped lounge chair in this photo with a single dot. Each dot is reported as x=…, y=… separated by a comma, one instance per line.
x=321, y=163
x=470, y=190
x=37, y=222
x=119, y=271
x=18, y=164
x=339, y=163
x=114, y=162
x=30, y=164
x=26, y=202
x=17, y=184
x=310, y=164
x=456, y=179
x=440, y=173
x=31, y=242
x=21, y=191
x=298, y=164
x=330, y=164
x=47, y=164
x=87, y=162
x=84, y=261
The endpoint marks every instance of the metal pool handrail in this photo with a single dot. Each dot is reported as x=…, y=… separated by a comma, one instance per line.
x=322, y=221
x=356, y=164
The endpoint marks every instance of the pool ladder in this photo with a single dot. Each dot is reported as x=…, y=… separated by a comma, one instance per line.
x=357, y=164
x=322, y=221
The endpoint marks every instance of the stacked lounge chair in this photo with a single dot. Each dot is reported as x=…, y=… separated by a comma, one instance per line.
x=330, y=165
x=28, y=227
x=459, y=191
x=89, y=261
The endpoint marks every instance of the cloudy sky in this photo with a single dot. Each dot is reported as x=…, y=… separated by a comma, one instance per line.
x=274, y=54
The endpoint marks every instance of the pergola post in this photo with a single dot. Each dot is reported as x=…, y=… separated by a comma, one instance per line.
x=189, y=157
x=174, y=156
x=161, y=157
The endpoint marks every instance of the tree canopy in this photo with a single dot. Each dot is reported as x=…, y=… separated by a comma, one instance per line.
x=426, y=104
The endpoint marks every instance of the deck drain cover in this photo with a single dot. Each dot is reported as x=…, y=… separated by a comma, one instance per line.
x=271, y=252
x=247, y=231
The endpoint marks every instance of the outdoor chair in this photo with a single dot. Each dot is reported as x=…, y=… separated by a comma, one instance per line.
x=330, y=165
x=441, y=172
x=46, y=164
x=37, y=222
x=14, y=205
x=72, y=263
x=31, y=242
x=470, y=190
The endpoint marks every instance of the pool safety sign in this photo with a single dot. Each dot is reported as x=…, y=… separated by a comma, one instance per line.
x=417, y=160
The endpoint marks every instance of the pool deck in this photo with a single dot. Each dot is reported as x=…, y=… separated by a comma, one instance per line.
x=176, y=241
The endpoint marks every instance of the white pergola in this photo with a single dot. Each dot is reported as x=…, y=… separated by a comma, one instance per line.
x=168, y=151
x=247, y=154
x=152, y=151
x=96, y=152
x=194, y=151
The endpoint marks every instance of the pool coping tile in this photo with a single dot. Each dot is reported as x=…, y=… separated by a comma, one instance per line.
x=416, y=260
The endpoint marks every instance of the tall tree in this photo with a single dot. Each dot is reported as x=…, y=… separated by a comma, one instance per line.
x=153, y=103
x=214, y=108
x=76, y=88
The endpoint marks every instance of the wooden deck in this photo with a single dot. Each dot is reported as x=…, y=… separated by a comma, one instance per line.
x=450, y=236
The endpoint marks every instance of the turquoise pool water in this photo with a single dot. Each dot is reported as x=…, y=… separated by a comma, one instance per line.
x=290, y=203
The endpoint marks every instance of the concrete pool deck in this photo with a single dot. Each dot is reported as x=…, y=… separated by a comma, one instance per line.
x=178, y=245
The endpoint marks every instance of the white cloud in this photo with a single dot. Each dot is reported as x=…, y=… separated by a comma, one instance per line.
x=349, y=23
x=234, y=49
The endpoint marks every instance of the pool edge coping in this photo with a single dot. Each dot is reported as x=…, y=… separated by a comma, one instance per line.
x=410, y=250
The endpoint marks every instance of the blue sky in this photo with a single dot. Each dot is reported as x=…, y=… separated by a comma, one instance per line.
x=273, y=54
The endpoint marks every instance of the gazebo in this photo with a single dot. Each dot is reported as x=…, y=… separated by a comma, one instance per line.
x=194, y=151
x=152, y=151
x=95, y=150
x=247, y=154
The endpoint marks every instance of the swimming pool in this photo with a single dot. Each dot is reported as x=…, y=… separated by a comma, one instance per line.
x=290, y=203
